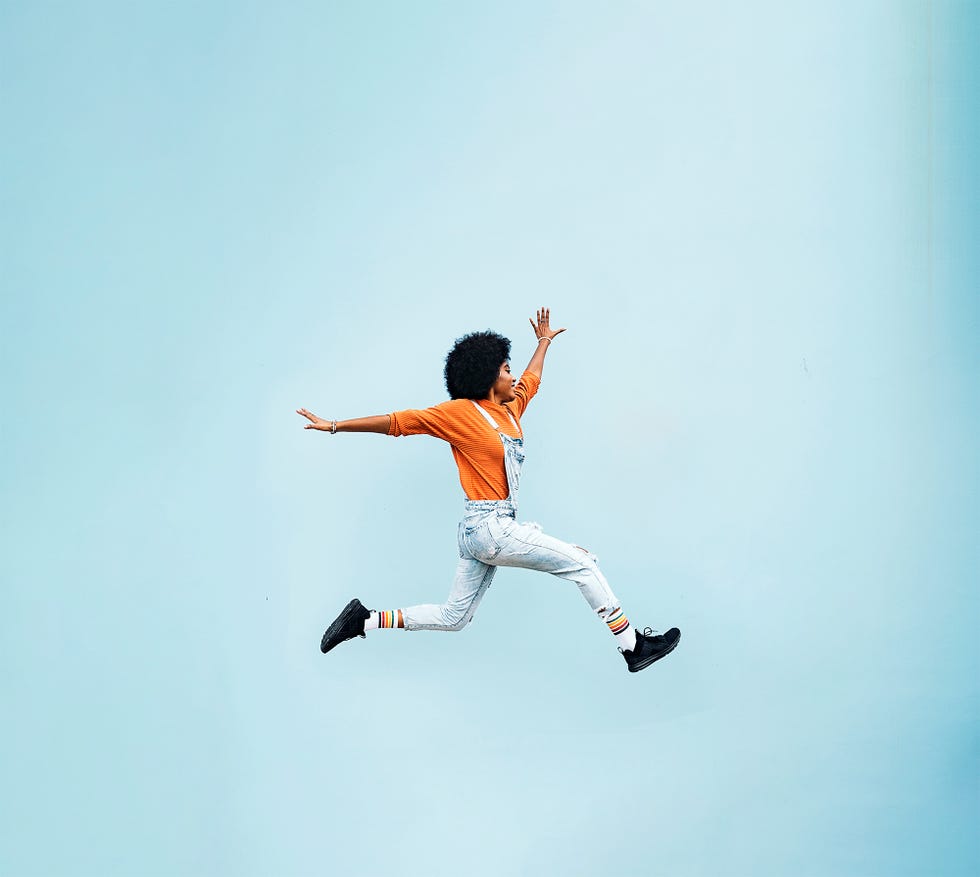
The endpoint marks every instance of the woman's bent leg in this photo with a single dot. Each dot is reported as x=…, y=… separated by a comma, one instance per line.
x=471, y=583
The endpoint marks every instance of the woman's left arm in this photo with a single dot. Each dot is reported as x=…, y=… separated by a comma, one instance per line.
x=544, y=334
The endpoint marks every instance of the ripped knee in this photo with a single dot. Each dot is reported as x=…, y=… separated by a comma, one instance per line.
x=607, y=612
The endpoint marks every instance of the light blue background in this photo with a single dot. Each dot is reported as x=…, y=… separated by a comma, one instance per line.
x=758, y=223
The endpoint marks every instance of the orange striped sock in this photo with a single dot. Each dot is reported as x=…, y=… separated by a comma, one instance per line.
x=384, y=619
x=619, y=625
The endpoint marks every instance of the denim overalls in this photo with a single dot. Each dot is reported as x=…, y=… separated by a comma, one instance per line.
x=490, y=536
x=513, y=456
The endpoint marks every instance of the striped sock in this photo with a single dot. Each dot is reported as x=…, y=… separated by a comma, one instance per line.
x=384, y=619
x=619, y=624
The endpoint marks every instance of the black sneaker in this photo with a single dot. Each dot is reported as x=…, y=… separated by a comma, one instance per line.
x=650, y=648
x=347, y=625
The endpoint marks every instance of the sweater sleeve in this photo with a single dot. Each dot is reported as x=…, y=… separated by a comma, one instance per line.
x=441, y=421
x=526, y=389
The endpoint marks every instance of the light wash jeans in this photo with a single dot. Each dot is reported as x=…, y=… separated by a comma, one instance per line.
x=490, y=536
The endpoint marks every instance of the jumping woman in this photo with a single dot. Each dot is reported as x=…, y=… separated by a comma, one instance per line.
x=482, y=423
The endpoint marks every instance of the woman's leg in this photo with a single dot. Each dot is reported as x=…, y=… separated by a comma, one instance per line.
x=524, y=545
x=472, y=580
x=471, y=583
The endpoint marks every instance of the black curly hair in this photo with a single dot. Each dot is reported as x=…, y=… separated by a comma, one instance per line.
x=472, y=366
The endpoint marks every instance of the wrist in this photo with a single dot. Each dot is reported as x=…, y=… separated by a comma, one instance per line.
x=544, y=338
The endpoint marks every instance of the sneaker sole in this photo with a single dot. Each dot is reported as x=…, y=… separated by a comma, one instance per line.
x=654, y=659
x=347, y=613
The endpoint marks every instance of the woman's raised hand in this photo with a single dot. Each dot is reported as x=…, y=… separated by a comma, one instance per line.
x=315, y=422
x=543, y=328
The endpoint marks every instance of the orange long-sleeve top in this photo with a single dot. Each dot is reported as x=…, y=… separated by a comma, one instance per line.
x=477, y=448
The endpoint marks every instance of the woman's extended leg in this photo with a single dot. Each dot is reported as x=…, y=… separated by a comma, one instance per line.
x=524, y=545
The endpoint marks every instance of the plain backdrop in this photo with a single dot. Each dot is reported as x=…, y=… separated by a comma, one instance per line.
x=758, y=224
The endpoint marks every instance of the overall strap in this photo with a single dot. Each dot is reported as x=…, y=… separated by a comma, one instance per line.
x=490, y=419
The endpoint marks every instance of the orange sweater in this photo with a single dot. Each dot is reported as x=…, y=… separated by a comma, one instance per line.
x=477, y=448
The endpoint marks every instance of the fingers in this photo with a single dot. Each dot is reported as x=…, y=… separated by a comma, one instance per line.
x=544, y=316
x=315, y=422
x=543, y=326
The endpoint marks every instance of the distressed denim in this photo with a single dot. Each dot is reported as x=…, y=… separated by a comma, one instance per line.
x=490, y=536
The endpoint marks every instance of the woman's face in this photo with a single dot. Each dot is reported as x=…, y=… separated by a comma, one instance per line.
x=503, y=388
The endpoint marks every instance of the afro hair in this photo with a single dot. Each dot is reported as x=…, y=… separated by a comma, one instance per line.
x=472, y=366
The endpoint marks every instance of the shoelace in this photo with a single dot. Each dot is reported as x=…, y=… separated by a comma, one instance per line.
x=647, y=631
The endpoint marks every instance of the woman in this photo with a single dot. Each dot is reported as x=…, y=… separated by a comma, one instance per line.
x=482, y=423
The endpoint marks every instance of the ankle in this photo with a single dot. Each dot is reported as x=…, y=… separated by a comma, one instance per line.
x=384, y=619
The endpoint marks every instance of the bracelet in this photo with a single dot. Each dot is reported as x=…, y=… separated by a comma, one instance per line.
x=542, y=338
x=333, y=427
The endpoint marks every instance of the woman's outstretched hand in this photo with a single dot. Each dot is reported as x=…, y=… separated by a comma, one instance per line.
x=543, y=328
x=377, y=423
x=315, y=422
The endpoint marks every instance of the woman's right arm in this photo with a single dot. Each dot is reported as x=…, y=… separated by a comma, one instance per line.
x=378, y=423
